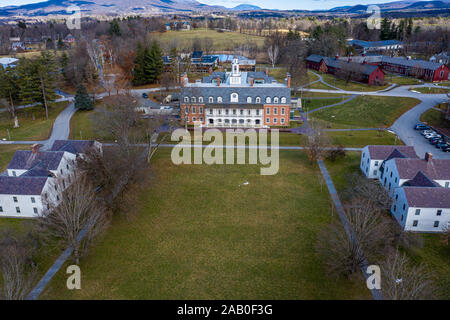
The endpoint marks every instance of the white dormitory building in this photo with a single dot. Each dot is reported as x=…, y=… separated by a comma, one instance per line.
x=29, y=182
x=420, y=188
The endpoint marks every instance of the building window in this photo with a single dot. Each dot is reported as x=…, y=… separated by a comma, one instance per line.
x=200, y=99
x=275, y=100
x=234, y=97
x=257, y=112
x=210, y=111
x=282, y=120
x=249, y=112
x=211, y=100
x=186, y=110
x=267, y=120
x=249, y=99
x=193, y=99
x=401, y=219
x=15, y=199
x=35, y=210
x=194, y=110
x=17, y=209
x=201, y=119
x=275, y=120
x=268, y=100
x=258, y=100
x=67, y=166
x=395, y=207
x=282, y=110
x=267, y=110
x=33, y=200
x=396, y=197
x=439, y=212
x=283, y=100
x=404, y=205
x=275, y=110
x=417, y=212
x=374, y=172
x=376, y=163
x=241, y=112
x=14, y=173
x=186, y=99
x=415, y=223
x=1, y=209
x=219, y=99
x=219, y=111
x=436, y=224
x=200, y=110
x=234, y=111
x=194, y=119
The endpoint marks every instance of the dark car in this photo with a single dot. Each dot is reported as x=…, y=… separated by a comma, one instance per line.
x=436, y=141
x=421, y=126
x=144, y=95
x=441, y=145
x=446, y=148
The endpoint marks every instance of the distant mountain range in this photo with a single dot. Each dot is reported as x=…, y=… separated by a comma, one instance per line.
x=121, y=7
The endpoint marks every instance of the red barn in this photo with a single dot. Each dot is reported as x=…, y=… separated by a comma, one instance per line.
x=421, y=69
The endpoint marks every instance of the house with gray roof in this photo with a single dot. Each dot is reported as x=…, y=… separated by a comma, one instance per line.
x=421, y=69
x=35, y=178
x=236, y=99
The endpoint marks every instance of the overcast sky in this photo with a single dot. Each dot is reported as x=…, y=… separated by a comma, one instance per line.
x=268, y=4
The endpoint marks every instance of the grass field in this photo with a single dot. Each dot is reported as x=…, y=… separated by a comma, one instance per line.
x=221, y=40
x=351, y=85
x=365, y=112
x=401, y=80
x=201, y=234
x=434, y=118
x=319, y=85
x=363, y=138
x=434, y=90
x=7, y=152
x=38, y=129
x=320, y=94
x=81, y=126
x=311, y=104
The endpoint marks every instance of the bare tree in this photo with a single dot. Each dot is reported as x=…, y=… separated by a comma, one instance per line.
x=401, y=280
x=77, y=210
x=345, y=247
x=16, y=264
x=316, y=143
x=272, y=53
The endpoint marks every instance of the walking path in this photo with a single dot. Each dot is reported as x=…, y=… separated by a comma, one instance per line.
x=376, y=294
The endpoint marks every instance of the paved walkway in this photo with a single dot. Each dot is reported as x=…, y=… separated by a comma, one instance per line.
x=376, y=294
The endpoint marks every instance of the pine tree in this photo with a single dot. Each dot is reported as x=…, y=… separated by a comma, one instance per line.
x=9, y=89
x=138, y=72
x=82, y=99
x=114, y=28
x=157, y=62
x=385, y=29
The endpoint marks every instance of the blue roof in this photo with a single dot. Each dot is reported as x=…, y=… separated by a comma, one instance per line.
x=369, y=44
x=22, y=185
x=24, y=159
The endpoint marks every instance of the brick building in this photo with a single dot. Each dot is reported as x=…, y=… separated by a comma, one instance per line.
x=236, y=99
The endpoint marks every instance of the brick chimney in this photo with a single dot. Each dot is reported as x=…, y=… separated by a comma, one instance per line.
x=252, y=82
x=267, y=71
x=336, y=56
x=288, y=80
x=428, y=156
x=218, y=81
x=35, y=148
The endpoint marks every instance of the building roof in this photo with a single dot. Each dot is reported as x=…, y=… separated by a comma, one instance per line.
x=315, y=58
x=22, y=185
x=420, y=180
x=426, y=197
x=7, y=61
x=366, y=69
x=197, y=54
x=436, y=169
x=374, y=44
x=384, y=152
x=412, y=63
x=24, y=160
x=72, y=146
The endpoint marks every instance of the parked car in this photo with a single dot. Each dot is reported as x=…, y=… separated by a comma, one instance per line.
x=425, y=132
x=446, y=148
x=145, y=96
x=421, y=126
x=441, y=145
x=436, y=141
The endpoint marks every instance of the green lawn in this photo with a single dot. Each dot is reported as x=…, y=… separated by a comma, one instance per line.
x=319, y=85
x=81, y=126
x=221, y=40
x=365, y=112
x=401, y=80
x=311, y=104
x=37, y=129
x=7, y=152
x=434, y=118
x=351, y=85
x=320, y=94
x=363, y=138
x=434, y=90
x=202, y=234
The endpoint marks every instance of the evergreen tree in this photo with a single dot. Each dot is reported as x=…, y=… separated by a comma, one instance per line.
x=82, y=99
x=138, y=72
x=385, y=29
x=114, y=28
x=9, y=89
x=409, y=27
x=157, y=64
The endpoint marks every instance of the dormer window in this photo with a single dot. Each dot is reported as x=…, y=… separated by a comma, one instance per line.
x=249, y=99
x=234, y=97
x=186, y=99
x=219, y=99
x=258, y=100
x=275, y=100
x=283, y=100
x=211, y=100
x=200, y=99
x=193, y=99
x=268, y=100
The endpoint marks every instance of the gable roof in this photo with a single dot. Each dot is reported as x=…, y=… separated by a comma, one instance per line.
x=72, y=146
x=369, y=44
x=24, y=159
x=384, y=152
x=412, y=63
x=366, y=69
x=22, y=185
x=315, y=58
x=426, y=197
x=436, y=169
x=420, y=180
